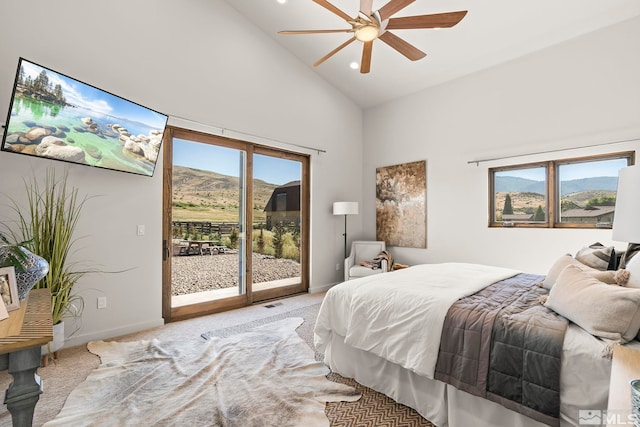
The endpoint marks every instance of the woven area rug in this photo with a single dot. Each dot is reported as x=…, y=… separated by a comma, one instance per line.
x=264, y=376
x=372, y=410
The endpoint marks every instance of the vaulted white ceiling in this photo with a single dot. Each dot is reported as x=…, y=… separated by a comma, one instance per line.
x=493, y=31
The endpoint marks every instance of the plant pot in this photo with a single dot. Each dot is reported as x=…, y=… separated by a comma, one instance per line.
x=52, y=347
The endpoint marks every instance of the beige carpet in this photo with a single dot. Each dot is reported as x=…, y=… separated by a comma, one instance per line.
x=75, y=364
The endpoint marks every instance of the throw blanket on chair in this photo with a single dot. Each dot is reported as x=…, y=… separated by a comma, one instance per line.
x=385, y=255
x=376, y=263
x=503, y=345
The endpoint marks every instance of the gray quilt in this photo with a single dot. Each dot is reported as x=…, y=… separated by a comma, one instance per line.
x=503, y=345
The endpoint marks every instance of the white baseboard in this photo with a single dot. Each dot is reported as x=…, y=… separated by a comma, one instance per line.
x=316, y=289
x=79, y=339
x=111, y=333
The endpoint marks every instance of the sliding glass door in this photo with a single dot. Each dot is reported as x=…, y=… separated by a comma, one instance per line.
x=277, y=243
x=207, y=208
x=235, y=224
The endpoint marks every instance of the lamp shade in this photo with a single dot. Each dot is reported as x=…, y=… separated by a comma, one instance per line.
x=345, y=208
x=626, y=220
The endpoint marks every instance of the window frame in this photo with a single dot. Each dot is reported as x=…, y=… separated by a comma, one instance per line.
x=553, y=190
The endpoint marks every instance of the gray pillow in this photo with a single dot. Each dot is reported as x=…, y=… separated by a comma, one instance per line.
x=611, y=312
x=632, y=250
x=598, y=256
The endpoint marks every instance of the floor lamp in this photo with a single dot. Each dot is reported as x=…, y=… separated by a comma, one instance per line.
x=626, y=227
x=345, y=208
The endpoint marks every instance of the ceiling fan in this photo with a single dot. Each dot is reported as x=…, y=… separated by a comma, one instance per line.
x=370, y=25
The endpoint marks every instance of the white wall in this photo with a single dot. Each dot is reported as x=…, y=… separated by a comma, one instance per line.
x=194, y=59
x=584, y=91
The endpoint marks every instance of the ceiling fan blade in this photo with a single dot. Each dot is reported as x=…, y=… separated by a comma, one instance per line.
x=437, y=20
x=350, y=30
x=332, y=8
x=392, y=7
x=408, y=50
x=365, y=6
x=333, y=52
x=365, y=64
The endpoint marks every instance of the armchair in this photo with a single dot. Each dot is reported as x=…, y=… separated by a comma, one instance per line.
x=362, y=250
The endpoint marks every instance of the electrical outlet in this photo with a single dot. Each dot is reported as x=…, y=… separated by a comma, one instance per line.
x=102, y=302
x=338, y=267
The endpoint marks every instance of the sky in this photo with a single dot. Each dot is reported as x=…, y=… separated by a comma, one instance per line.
x=226, y=161
x=592, y=169
x=91, y=98
x=573, y=170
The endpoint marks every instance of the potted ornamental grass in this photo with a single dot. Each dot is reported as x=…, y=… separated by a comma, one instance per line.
x=46, y=226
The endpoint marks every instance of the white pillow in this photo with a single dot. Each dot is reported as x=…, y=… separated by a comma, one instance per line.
x=609, y=276
x=605, y=311
x=633, y=267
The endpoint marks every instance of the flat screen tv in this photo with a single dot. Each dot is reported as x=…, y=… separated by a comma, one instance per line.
x=57, y=117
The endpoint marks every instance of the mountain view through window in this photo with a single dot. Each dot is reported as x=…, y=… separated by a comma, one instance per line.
x=580, y=192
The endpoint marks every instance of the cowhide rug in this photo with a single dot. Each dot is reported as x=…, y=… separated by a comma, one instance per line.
x=264, y=377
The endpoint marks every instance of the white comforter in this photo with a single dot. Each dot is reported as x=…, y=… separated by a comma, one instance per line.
x=399, y=315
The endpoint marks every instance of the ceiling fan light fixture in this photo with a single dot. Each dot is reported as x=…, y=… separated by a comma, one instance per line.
x=367, y=33
x=354, y=65
x=369, y=25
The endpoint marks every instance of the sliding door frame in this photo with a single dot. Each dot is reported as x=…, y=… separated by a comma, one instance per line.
x=170, y=313
x=305, y=203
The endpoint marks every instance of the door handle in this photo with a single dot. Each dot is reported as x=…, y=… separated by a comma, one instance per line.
x=165, y=250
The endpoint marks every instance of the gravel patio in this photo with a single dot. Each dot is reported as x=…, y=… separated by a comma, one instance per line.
x=198, y=273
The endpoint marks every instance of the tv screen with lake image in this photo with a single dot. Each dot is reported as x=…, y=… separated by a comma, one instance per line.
x=56, y=117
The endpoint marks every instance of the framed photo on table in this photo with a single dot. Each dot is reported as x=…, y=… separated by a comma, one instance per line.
x=9, y=288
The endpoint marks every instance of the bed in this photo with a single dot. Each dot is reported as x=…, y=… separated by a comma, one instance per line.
x=386, y=332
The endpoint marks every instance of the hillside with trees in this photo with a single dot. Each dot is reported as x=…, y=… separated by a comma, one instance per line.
x=533, y=203
x=520, y=196
x=200, y=195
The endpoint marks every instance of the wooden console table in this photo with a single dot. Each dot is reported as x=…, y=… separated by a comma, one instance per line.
x=21, y=336
x=624, y=368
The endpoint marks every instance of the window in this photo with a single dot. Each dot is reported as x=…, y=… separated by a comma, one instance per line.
x=572, y=193
x=520, y=194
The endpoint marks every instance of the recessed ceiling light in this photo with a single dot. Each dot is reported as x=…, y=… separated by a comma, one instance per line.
x=282, y=1
x=354, y=65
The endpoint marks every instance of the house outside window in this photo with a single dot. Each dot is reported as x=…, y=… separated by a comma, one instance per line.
x=567, y=193
x=520, y=194
x=283, y=207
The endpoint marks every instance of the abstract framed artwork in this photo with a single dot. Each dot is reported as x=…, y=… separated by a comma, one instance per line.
x=9, y=288
x=401, y=204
